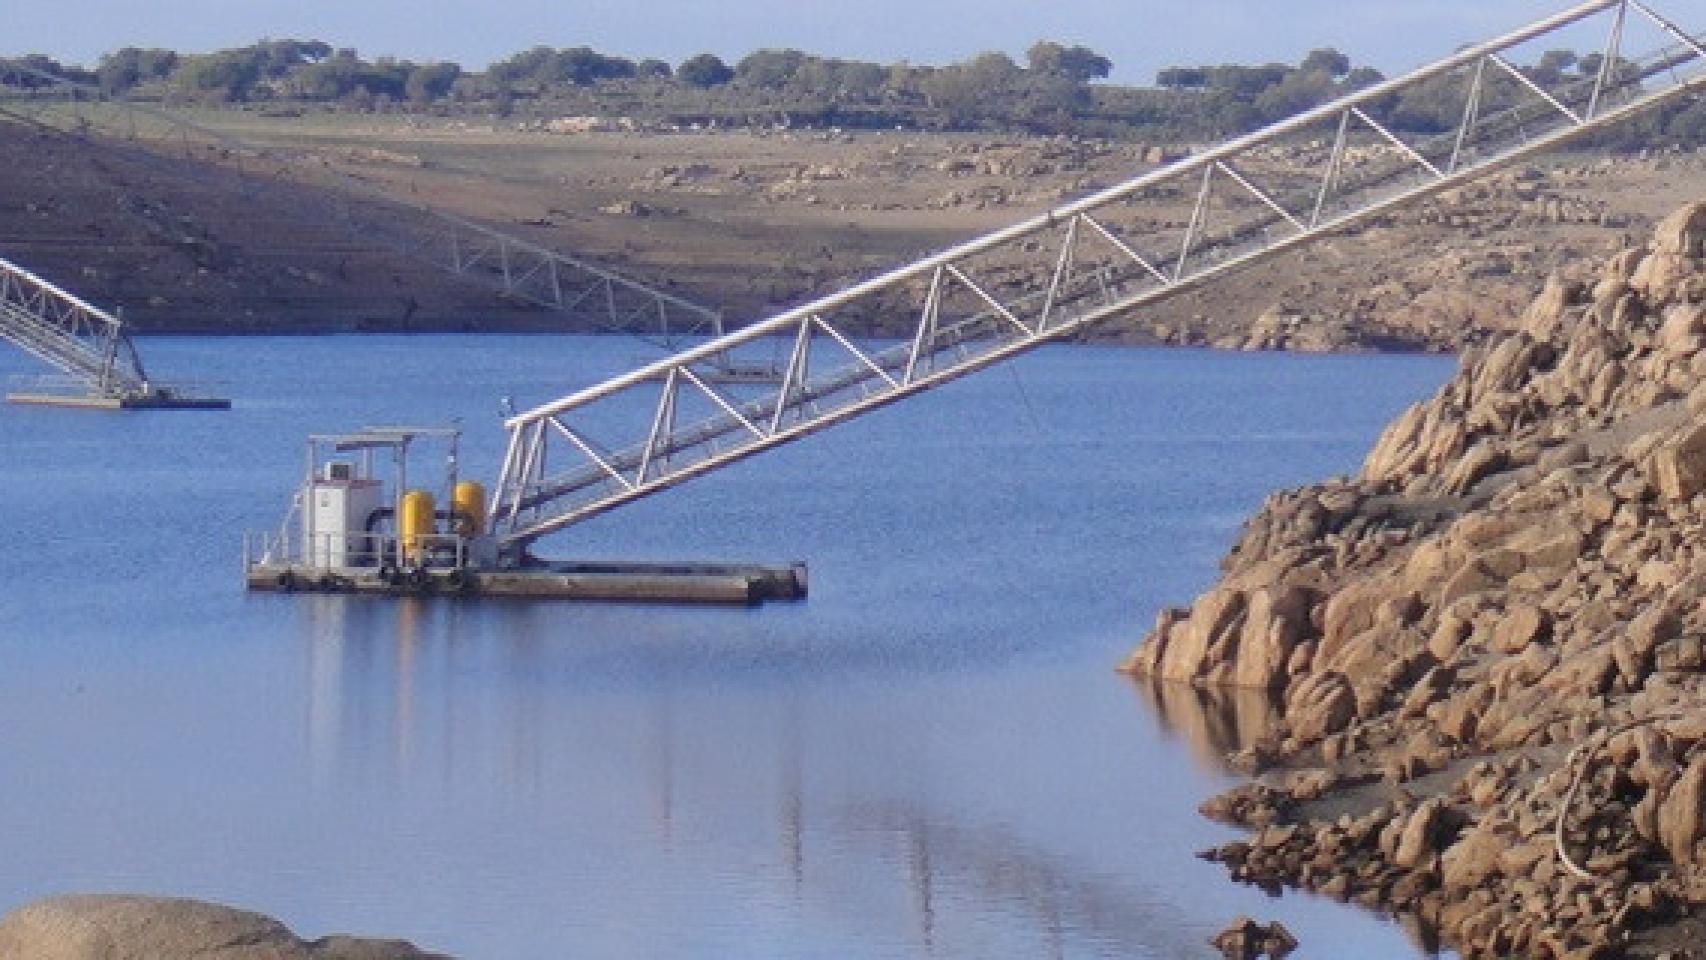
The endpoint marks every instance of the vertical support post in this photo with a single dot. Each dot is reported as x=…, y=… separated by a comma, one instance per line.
x=663, y=425
x=926, y=325
x=1062, y=264
x=794, y=371
x=308, y=511
x=400, y=457
x=109, y=358
x=453, y=464
x=1471, y=113
x=505, y=474
x=1199, y=214
x=1613, y=50
x=529, y=463
x=1335, y=164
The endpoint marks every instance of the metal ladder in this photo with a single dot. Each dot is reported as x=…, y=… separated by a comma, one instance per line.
x=1050, y=277
x=84, y=342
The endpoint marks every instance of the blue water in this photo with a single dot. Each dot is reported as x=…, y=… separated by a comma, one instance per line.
x=931, y=757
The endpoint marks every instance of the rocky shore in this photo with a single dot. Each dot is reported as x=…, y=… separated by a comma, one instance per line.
x=1489, y=646
x=123, y=927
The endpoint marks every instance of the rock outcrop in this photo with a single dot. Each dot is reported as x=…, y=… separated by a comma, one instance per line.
x=1245, y=939
x=121, y=927
x=1504, y=610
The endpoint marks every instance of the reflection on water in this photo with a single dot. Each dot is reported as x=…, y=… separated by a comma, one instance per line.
x=1213, y=721
x=384, y=693
x=402, y=637
x=369, y=659
x=851, y=822
x=1055, y=894
x=929, y=757
x=1217, y=722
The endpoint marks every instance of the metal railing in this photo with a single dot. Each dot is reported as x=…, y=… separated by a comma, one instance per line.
x=359, y=551
x=1133, y=244
x=83, y=341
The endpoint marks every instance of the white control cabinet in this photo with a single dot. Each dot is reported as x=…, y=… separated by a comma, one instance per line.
x=334, y=525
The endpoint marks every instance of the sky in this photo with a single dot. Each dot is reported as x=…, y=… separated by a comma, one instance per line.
x=1140, y=36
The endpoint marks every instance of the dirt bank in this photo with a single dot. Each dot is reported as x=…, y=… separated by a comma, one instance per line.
x=747, y=221
x=1488, y=648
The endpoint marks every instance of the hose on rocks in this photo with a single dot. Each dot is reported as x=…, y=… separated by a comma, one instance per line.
x=1586, y=762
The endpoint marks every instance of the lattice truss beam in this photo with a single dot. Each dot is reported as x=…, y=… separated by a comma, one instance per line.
x=512, y=266
x=57, y=327
x=1131, y=245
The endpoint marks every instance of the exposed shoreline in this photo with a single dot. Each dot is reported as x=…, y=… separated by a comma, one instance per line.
x=1504, y=611
x=188, y=245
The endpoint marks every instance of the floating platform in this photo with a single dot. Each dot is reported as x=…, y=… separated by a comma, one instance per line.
x=95, y=402
x=593, y=582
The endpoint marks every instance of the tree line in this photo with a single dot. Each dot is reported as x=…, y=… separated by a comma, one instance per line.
x=312, y=70
x=1057, y=88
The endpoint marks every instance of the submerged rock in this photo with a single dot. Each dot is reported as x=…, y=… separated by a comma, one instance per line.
x=1245, y=939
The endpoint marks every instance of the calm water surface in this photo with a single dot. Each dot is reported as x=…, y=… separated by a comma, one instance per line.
x=931, y=757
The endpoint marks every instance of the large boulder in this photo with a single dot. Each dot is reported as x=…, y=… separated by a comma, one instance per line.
x=1277, y=620
x=1396, y=451
x=1522, y=624
x=1659, y=278
x=1678, y=469
x=123, y=927
x=1351, y=612
x=1546, y=315
x=1232, y=637
x=1423, y=834
x=1509, y=365
x=1470, y=861
x=1683, y=233
x=1679, y=816
x=1684, y=325
x=1320, y=705
x=1187, y=645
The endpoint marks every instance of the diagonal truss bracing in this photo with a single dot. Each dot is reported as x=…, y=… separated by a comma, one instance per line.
x=59, y=328
x=1133, y=244
x=511, y=266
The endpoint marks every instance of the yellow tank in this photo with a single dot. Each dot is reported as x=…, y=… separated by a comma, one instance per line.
x=469, y=500
x=417, y=523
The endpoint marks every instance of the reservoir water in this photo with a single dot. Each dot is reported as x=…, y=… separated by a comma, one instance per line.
x=930, y=757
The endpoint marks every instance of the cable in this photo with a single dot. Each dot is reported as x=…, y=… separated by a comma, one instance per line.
x=1593, y=747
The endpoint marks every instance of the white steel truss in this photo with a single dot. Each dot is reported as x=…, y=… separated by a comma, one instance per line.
x=1050, y=277
x=511, y=266
x=59, y=328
